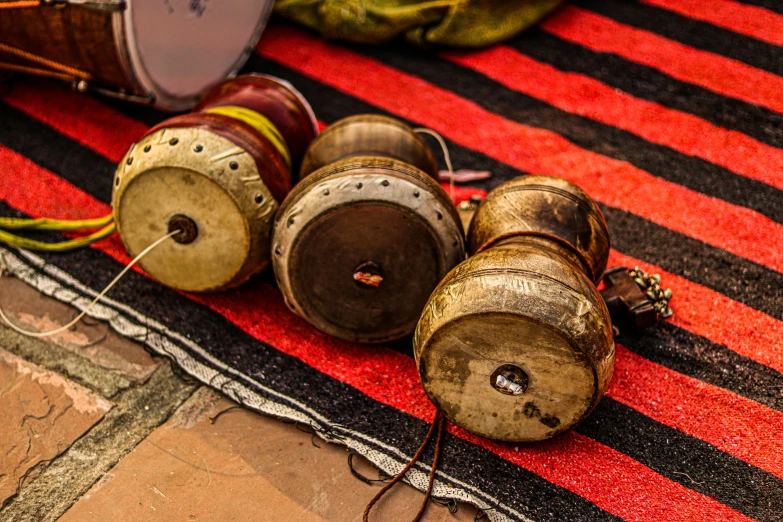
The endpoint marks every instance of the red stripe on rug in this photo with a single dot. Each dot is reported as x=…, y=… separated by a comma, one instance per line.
x=751, y=433
x=606, y=477
x=749, y=20
x=588, y=97
x=712, y=71
x=739, y=230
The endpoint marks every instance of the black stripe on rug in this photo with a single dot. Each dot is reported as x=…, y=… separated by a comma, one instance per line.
x=697, y=357
x=691, y=32
x=738, y=278
x=690, y=461
x=650, y=84
x=772, y=5
x=664, y=162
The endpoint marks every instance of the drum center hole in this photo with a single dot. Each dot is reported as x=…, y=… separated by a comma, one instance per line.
x=188, y=231
x=509, y=379
x=368, y=275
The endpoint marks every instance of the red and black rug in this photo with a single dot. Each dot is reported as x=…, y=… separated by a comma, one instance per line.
x=668, y=112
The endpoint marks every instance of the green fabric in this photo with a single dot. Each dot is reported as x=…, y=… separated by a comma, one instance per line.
x=459, y=23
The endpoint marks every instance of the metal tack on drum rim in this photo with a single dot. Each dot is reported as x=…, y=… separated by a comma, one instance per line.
x=516, y=343
x=217, y=175
x=362, y=240
x=164, y=53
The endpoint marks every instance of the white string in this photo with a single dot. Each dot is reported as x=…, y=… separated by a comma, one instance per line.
x=95, y=301
x=446, y=156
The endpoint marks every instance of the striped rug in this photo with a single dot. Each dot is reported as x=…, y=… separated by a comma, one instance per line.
x=668, y=112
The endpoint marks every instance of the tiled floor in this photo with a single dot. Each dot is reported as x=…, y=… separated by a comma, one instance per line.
x=94, y=428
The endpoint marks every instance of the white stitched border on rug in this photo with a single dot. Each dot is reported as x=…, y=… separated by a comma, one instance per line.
x=157, y=336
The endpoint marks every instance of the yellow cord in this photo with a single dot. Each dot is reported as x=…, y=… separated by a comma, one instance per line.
x=54, y=224
x=107, y=222
x=64, y=246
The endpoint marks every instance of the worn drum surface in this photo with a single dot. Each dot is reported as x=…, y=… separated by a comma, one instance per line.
x=167, y=53
x=219, y=176
x=361, y=242
x=516, y=343
x=548, y=207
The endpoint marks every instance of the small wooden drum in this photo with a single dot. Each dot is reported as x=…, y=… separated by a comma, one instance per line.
x=218, y=175
x=368, y=233
x=516, y=343
x=165, y=52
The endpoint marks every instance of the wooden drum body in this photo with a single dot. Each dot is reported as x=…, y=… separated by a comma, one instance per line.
x=516, y=343
x=217, y=174
x=368, y=233
x=166, y=53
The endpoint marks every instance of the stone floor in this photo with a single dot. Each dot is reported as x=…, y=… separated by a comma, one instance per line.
x=92, y=427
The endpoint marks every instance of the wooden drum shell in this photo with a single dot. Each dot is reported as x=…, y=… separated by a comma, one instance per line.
x=371, y=135
x=220, y=173
x=78, y=37
x=365, y=206
x=544, y=206
x=516, y=343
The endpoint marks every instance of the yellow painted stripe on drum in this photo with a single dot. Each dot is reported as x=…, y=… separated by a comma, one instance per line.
x=259, y=122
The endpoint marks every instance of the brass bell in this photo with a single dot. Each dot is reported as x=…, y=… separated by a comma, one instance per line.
x=360, y=243
x=216, y=175
x=516, y=343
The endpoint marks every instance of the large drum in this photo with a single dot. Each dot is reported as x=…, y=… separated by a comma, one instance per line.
x=164, y=52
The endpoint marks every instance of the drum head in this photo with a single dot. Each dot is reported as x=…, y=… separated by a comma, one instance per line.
x=180, y=48
x=144, y=213
x=372, y=238
x=462, y=361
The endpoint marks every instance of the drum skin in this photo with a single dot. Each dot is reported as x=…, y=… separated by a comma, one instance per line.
x=362, y=240
x=76, y=36
x=516, y=343
x=220, y=175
